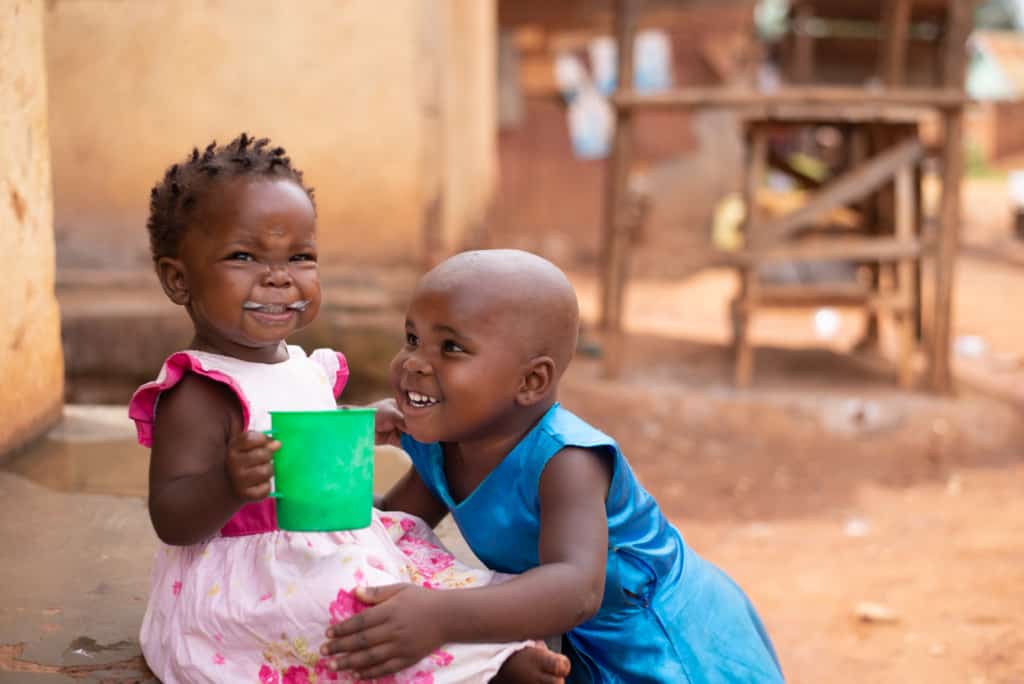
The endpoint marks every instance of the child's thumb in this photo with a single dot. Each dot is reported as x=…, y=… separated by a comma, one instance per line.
x=374, y=595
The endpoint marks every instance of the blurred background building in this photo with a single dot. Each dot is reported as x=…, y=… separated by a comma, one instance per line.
x=425, y=127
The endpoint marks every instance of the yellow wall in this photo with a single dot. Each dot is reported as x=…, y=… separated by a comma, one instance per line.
x=471, y=116
x=347, y=87
x=31, y=363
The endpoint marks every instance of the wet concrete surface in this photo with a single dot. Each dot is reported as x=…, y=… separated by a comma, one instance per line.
x=77, y=547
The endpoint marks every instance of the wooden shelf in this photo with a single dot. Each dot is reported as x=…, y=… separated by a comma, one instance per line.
x=882, y=100
x=815, y=295
x=833, y=249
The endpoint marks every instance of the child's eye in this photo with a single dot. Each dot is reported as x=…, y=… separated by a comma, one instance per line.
x=303, y=257
x=411, y=340
x=241, y=256
x=450, y=347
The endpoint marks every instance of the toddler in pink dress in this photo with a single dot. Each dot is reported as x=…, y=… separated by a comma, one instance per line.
x=234, y=598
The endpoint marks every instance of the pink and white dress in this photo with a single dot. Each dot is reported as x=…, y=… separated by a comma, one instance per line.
x=252, y=603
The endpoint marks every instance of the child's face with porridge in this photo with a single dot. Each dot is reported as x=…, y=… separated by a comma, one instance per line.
x=247, y=270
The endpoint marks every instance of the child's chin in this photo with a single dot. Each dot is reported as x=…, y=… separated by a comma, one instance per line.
x=422, y=433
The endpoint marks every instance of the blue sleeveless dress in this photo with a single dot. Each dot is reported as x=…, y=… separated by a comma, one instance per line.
x=667, y=614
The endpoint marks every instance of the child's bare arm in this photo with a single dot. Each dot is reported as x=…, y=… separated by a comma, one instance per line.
x=411, y=495
x=191, y=493
x=563, y=591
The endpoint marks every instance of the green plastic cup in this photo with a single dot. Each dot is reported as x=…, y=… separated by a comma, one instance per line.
x=323, y=472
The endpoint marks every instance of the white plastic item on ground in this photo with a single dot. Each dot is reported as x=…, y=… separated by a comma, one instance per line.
x=826, y=323
x=1015, y=181
x=970, y=346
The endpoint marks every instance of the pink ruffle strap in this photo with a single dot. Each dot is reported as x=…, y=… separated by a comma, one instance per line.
x=142, y=408
x=336, y=366
x=253, y=518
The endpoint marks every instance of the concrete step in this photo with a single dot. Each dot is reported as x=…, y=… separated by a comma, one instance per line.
x=118, y=328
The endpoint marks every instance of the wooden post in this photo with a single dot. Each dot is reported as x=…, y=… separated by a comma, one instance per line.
x=803, y=69
x=896, y=23
x=904, y=313
x=615, y=256
x=948, y=245
x=863, y=146
x=954, y=66
x=919, y=223
x=746, y=301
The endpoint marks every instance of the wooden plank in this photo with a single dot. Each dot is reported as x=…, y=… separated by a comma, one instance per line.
x=825, y=294
x=896, y=22
x=848, y=187
x=948, y=246
x=886, y=250
x=615, y=251
x=749, y=296
x=846, y=113
x=905, y=320
x=946, y=97
x=743, y=314
x=958, y=28
x=954, y=66
x=803, y=67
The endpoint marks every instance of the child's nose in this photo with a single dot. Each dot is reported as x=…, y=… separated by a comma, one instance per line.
x=277, y=275
x=414, y=364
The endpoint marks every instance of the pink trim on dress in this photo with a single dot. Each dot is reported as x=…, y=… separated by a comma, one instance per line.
x=142, y=408
x=333, y=362
x=253, y=518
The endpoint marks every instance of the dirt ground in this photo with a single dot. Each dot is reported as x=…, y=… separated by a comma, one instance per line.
x=880, y=533
x=886, y=549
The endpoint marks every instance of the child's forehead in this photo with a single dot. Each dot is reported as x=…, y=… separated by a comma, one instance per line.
x=242, y=205
x=462, y=307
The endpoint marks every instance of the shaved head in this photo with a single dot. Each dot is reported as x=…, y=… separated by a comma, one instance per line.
x=527, y=296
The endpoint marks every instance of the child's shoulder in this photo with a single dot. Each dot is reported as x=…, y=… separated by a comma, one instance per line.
x=187, y=388
x=566, y=428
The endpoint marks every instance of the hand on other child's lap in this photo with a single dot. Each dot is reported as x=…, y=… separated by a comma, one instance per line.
x=401, y=627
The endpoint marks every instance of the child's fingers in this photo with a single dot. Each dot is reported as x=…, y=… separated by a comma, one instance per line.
x=250, y=440
x=365, y=620
x=256, y=474
x=250, y=458
x=358, y=642
x=373, y=662
x=386, y=668
x=256, y=492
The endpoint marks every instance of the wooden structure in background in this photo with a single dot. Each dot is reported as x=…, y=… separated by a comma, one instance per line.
x=881, y=177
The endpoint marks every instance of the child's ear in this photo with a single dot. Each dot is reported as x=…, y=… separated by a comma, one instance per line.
x=537, y=381
x=171, y=273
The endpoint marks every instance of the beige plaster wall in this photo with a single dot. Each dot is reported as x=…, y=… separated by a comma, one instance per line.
x=31, y=363
x=346, y=87
x=471, y=124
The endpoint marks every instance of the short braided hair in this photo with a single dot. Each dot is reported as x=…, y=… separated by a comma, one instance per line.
x=173, y=199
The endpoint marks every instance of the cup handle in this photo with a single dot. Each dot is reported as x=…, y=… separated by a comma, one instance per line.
x=273, y=494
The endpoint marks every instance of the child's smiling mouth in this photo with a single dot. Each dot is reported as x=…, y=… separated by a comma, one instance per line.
x=417, y=400
x=299, y=306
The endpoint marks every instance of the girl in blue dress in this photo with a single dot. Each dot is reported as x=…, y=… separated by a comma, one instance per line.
x=539, y=493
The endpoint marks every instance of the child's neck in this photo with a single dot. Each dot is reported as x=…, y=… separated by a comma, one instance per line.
x=274, y=353
x=467, y=463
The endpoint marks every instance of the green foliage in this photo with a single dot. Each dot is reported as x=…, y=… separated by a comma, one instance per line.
x=977, y=165
x=996, y=14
